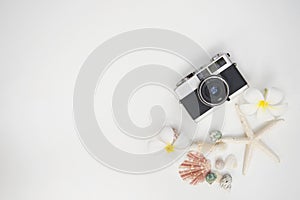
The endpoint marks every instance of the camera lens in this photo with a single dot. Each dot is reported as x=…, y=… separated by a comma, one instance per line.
x=213, y=91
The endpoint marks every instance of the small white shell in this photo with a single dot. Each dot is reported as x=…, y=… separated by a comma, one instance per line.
x=219, y=164
x=219, y=176
x=205, y=147
x=231, y=162
x=220, y=146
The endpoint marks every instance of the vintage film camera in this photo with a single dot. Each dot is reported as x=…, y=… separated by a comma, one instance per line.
x=210, y=86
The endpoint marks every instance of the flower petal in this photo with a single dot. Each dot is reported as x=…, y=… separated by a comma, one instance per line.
x=155, y=145
x=166, y=134
x=278, y=110
x=182, y=141
x=249, y=109
x=253, y=95
x=274, y=96
x=264, y=115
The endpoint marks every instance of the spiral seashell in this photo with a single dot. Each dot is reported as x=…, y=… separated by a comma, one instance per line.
x=211, y=177
x=194, y=168
x=215, y=135
x=226, y=181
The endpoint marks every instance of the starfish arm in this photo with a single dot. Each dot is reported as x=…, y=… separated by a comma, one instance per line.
x=238, y=140
x=267, y=150
x=247, y=157
x=244, y=122
x=265, y=128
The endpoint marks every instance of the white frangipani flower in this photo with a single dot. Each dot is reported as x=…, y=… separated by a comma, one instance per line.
x=169, y=140
x=266, y=106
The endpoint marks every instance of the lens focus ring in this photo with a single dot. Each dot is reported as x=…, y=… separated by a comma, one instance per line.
x=213, y=91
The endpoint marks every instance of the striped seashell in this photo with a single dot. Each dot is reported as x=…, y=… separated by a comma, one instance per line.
x=195, y=168
x=226, y=181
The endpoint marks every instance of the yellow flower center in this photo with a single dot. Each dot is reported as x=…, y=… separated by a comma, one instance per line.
x=263, y=104
x=169, y=148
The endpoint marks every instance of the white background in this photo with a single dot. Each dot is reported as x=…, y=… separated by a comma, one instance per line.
x=42, y=47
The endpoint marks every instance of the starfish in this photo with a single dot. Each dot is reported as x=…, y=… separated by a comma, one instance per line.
x=252, y=139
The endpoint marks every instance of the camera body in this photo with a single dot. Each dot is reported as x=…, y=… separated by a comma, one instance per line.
x=210, y=86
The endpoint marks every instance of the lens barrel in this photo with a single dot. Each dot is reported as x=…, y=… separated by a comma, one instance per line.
x=213, y=91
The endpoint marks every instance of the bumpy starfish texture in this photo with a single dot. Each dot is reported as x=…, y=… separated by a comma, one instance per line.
x=252, y=139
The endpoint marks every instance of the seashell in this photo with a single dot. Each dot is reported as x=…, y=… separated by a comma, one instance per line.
x=215, y=135
x=219, y=164
x=231, y=162
x=219, y=176
x=211, y=177
x=220, y=146
x=226, y=181
x=194, y=168
x=205, y=147
x=209, y=147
